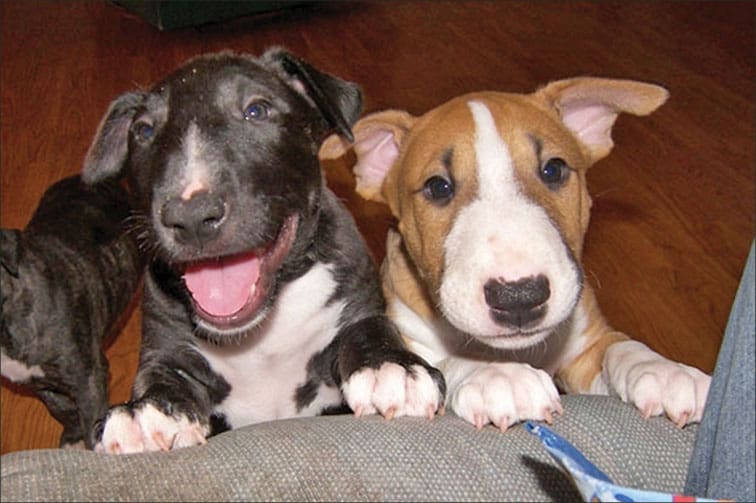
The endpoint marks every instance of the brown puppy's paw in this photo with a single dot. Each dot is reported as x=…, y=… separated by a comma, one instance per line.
x=655, y=384
x=504, y=394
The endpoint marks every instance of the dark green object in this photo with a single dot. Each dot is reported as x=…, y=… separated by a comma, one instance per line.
x=171, y=14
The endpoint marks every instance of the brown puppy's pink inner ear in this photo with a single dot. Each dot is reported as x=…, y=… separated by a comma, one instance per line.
x=376, y=150
x=377, y=141
x=589, y=106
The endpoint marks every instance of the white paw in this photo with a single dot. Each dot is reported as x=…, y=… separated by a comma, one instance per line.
x=145, y=428
x=504, y=394
x=655, y=384
x=392, y=392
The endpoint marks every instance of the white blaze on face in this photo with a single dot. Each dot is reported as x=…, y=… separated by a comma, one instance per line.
x=502, y=235
x=195, y=175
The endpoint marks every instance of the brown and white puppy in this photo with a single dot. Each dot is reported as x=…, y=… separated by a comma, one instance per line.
x=484, y=276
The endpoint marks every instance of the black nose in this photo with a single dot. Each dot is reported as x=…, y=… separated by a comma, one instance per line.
x=195, y=221
x=517, y=303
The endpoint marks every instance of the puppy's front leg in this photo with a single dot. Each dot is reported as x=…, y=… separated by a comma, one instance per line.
x=64, y=409
x=147, y=425
x=379, y=374
x=612, y=363
x=171, y=407
x=502, y=393
x=655, y=384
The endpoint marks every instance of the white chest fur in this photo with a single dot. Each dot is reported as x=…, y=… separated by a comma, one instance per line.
x=436, y=340
x=17, y=371
x=265, y=369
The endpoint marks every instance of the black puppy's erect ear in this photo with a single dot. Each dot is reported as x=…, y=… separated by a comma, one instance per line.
x=10, y=250
x=109, y=148
x=339, y=101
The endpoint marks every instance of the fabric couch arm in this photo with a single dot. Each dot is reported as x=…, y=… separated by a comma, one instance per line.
x=344, y=458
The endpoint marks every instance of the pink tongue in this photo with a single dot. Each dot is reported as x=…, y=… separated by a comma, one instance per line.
x=222, y=287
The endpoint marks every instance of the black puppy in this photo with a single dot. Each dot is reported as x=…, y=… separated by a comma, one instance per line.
x=261, y=300
x=65, y=281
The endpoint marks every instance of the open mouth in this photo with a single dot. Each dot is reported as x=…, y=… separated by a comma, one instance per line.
x=229, y=292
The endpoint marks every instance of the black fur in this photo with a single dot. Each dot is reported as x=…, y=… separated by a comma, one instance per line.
x=262, y=173
x=66, y=279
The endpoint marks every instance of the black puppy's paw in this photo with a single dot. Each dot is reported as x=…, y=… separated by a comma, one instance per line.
x=394, y=390
x=143, y=426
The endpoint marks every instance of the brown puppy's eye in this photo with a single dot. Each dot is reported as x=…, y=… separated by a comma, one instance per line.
x=438, y=190
x=554, y=172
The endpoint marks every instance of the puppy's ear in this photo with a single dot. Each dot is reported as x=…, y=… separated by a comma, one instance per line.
x=378, y=138
x=10, y=250
x=589, y=106
x=339, y=101
x=107, y=154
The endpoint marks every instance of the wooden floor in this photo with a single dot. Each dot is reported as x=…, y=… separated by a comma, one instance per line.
x=673, y=214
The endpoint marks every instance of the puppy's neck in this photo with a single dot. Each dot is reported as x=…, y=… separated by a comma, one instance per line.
x=401, y=280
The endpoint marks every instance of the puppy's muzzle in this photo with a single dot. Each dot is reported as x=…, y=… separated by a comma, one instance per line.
x=195, y=221
x=519, y=303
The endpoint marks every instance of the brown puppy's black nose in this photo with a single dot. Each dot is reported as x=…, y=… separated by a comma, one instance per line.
x=517, y=303
x=196, y=220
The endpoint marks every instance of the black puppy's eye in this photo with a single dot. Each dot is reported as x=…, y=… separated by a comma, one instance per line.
x=257, y=110
x=438, y=190
x=554, y=172
x=143, y=131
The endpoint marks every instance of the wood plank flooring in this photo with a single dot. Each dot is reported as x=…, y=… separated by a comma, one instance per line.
x=673, y=213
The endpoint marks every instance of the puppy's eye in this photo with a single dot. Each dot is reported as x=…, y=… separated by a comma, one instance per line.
x=554, y=172
x=143, y=131
x=257, y=110
x=438, y=190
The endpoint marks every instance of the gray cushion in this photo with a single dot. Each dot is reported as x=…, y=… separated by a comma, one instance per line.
x=349, y=459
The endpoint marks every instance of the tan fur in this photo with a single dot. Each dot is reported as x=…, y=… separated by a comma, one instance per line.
x=578, y=375
x=401, y=281
x=637, y=98
x=520, y=118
